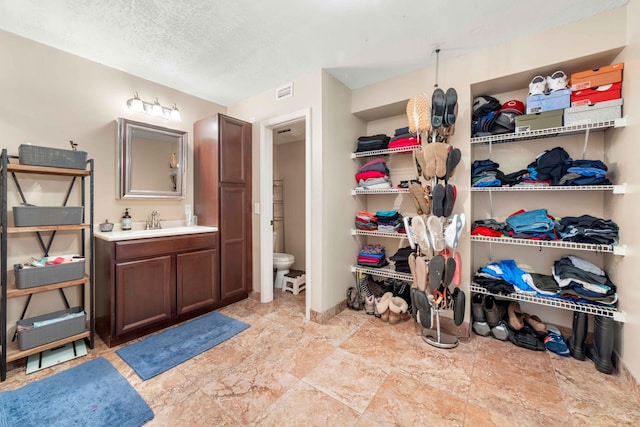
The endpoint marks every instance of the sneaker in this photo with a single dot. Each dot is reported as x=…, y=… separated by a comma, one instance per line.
x=370, y=305
x=538, y=86
x=557, y=81
x=555, y=342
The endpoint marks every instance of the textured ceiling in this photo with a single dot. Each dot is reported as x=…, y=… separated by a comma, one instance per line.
x=225, y=51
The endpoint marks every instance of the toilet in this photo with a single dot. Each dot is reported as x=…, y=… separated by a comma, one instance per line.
x=282, y=263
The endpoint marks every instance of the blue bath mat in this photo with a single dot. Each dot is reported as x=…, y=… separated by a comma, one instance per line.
x=161, y=352
x=93, y=393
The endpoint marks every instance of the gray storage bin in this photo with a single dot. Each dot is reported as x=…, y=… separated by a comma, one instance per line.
x=29, y=216
x=53, y=157
x=594, y=113
x=40, y=276
x=52, y=332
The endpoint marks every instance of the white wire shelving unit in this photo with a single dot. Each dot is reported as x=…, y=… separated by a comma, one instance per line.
x=382, y=272
x=559, y=244
x=355, y=232
x=359, y=191
x=595, y=309
x=617, y=189
x=550, y=132
x=399, y=150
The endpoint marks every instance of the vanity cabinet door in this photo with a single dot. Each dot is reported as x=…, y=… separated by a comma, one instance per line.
x=142, y=293
x=197, y=281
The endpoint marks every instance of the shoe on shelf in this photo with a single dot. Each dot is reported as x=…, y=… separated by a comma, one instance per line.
x=538, y=86
x=557, y=81
x=535, y=322
x=477, y=310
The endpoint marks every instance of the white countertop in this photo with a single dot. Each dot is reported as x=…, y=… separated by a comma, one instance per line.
x=116, y=235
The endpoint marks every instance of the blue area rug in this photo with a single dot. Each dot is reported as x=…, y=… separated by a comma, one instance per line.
x=161, y=352
x=93, y=393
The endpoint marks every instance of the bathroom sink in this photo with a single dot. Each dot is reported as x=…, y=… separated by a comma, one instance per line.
x=160, y=232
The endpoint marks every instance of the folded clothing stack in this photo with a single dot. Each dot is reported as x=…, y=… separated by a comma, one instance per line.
x=372, y=256
x=389, y=221
x=403, y=138
x=535, y=225
x=373, y=175
x=401, y=259
x=582, y=281
x=588, y=229
x=484, y=173
x=374, y=142
x=366, y=221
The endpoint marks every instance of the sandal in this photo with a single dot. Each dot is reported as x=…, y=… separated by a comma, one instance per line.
x=436, y=271
x=437, y=200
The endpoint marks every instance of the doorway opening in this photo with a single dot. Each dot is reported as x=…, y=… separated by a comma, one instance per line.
x=285, y=198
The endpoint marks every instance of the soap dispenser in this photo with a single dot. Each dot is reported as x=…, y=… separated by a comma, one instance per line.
x=126, y=220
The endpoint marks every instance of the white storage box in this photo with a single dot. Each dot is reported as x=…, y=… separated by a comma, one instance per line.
x=600, y=112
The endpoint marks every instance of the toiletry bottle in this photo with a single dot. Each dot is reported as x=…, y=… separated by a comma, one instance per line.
x=126, y=220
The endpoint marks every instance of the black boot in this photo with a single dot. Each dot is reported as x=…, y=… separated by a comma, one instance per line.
x=576, y=340
x=602, y=347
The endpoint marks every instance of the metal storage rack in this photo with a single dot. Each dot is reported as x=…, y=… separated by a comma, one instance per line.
x=11, y=352
x=278, y=207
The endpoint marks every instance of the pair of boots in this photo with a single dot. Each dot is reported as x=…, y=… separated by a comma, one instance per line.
x=601, y=350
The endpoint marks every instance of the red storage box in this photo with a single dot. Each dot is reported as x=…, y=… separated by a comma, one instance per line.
x=597, y=77
x=594, y=95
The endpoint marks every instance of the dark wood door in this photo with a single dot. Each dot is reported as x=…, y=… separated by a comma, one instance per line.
x=143, y=293
x=234, y=145
x=197, y=281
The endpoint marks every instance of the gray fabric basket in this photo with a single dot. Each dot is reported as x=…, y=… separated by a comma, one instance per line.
x=29, y=216
x=53, y=157
x=40, y=276
x=53, y=332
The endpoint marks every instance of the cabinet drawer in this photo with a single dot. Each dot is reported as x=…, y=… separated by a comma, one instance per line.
x=132, y=249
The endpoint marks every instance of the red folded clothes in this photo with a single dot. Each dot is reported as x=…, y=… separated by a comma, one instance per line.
x=485, y=231
x=404, y=142
x=368, y=175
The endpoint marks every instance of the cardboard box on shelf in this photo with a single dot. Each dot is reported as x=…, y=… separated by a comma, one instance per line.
x=536, y=121
x=600, y=112
x=557, y=100
x=597, y=94
x=597, y=77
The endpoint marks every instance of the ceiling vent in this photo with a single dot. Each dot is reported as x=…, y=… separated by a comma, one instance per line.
x=285, y=91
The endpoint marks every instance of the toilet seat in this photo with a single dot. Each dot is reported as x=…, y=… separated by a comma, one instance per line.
x=282, y=257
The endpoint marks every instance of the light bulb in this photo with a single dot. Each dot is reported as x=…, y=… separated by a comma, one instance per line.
x=156, y=110
x=175, y=113
x=135, y=103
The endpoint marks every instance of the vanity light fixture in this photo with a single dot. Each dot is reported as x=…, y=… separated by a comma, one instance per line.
x=153, y=108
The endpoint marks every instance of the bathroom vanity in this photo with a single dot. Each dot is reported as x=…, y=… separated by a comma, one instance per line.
x=149, y=279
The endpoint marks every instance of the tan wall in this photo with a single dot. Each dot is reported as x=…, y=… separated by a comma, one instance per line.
x=289, y=166
x=50, y=97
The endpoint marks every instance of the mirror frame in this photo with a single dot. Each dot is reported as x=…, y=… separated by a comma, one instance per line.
x=125, y=166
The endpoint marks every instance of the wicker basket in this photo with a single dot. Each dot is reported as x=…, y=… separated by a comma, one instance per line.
x=53, y=157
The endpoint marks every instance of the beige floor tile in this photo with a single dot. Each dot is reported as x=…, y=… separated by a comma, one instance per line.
x=351, y=379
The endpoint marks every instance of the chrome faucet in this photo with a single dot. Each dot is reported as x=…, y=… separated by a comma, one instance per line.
x=153, y=222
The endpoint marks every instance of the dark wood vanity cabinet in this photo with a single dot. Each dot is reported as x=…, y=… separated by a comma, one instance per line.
x=143, y=285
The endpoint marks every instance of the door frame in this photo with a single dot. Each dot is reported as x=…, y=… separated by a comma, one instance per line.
x=266, y=201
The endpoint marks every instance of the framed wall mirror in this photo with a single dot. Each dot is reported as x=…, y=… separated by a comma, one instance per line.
x=152, y=161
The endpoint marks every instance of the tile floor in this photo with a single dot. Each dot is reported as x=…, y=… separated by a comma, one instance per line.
x=358, y=371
